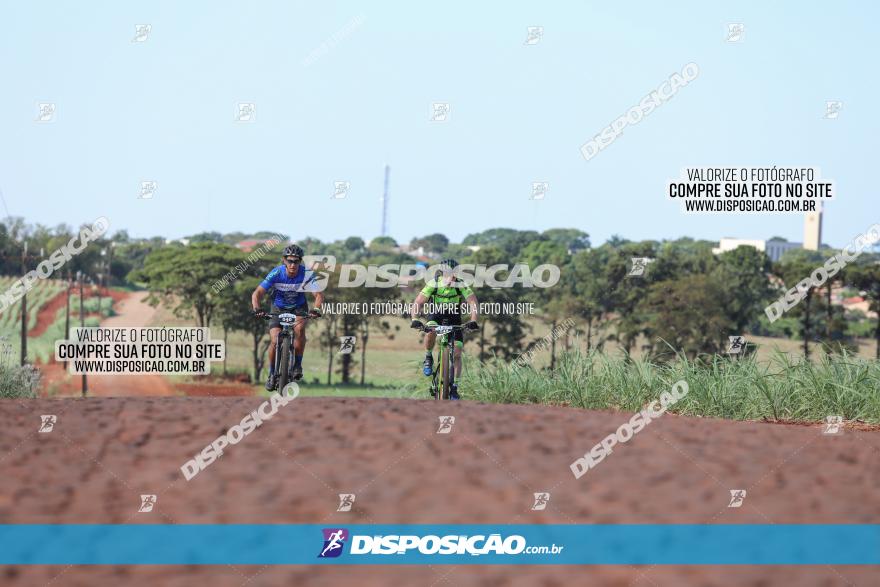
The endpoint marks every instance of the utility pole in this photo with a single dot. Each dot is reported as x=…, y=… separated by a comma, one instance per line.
x=385, y=202
x=24, y=307
x=67, y=312
x=97, y=286
x=82, y=323
x=109, y=281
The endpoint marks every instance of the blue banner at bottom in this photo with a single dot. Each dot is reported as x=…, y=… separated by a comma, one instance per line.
x=484, y=544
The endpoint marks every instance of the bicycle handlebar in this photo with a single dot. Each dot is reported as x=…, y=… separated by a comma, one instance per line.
x=453, y=326
x=269, y=316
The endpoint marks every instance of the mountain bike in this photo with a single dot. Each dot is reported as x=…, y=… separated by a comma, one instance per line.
x=285, y=344
x=444, y=370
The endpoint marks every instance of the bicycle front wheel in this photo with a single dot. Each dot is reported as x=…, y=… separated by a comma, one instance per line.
x=284, y=375
x=445, y=374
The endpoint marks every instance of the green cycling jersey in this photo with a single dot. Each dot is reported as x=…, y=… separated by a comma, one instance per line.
x=439, y=292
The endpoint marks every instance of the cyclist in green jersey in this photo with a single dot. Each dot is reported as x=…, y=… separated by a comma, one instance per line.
x=445, y=296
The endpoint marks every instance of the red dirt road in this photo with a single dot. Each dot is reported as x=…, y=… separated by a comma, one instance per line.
x=131, y=310
x=105, y=452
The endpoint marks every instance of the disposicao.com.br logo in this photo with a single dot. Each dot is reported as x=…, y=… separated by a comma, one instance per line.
x=402, y=275
x=334, y=540
x=429, y=544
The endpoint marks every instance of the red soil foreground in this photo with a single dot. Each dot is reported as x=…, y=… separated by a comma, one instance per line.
x=105, y=452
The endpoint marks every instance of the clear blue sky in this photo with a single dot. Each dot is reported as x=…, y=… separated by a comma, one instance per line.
x=163, y=110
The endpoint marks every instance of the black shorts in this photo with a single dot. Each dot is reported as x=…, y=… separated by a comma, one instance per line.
x=448, y=320
x=275, y=322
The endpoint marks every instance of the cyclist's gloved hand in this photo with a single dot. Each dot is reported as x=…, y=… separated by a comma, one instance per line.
x=259, y=314
x=315, y=313
x=417, y=324
x=472, y=325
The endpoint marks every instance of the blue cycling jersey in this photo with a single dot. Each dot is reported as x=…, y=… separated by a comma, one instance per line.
x=289, y=290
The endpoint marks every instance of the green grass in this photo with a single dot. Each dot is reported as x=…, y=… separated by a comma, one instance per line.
x=779, y=389
x=387, y=366
x=775, y=383
x=320, y=390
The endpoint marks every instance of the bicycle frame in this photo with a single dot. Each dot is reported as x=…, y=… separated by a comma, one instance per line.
x=282, y=358
x=445, y=368
x=285, y=345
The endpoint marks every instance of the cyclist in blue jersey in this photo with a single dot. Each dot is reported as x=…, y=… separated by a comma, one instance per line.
x=290, y=281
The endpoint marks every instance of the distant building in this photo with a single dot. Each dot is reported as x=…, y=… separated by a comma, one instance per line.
x=417, y=251
x=861, y=304
x=728, y=244
x=774, y=248
x=249, y=245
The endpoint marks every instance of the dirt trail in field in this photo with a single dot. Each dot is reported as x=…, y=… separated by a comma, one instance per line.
x=46, y=315
x=132, y=310
x=105, y=452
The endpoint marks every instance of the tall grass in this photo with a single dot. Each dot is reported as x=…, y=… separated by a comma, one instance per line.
x=18, y=382
x=722, y=387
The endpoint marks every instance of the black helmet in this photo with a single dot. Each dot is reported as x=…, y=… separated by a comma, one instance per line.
x=449, y=263
x=293, y=251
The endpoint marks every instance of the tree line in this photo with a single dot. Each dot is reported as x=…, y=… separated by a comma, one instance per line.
x=686, y=300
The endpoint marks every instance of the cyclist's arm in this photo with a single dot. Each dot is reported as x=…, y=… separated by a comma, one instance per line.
x=257, y=298
x=472, y=306
x=319, y=299
x=417, y=305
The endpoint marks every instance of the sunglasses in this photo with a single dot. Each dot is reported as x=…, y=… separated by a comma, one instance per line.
x=293, y=260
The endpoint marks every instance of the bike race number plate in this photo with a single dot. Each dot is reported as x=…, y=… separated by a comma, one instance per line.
x=443, y=329
x=287, y=318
